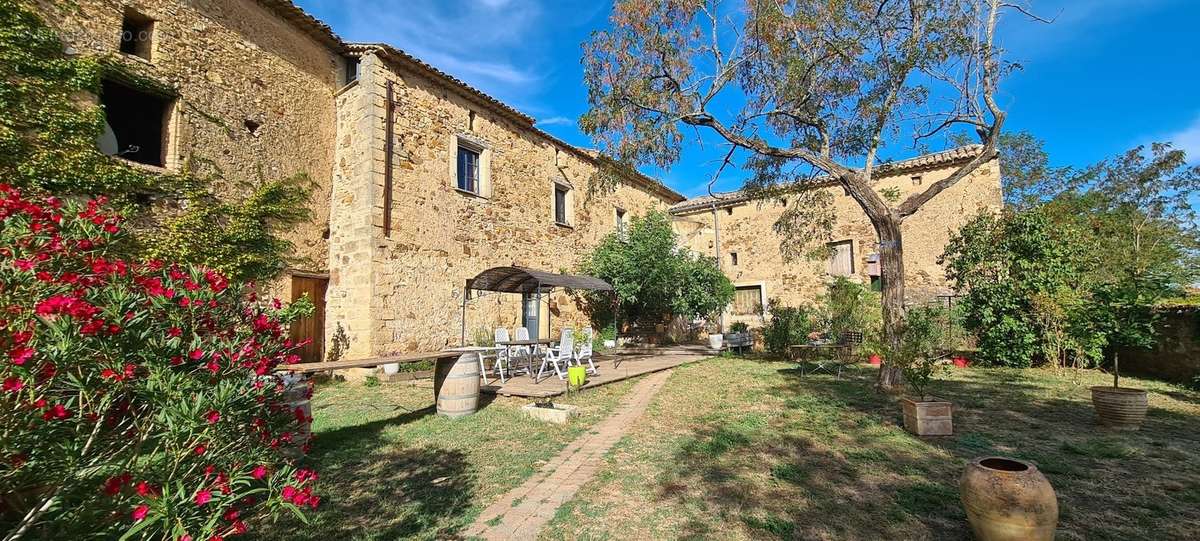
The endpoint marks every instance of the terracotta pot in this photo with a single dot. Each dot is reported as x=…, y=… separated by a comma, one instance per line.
x=1119, y=408
x=875, y=360
x=928, y=416
x=960, y=362
x=1008, y=500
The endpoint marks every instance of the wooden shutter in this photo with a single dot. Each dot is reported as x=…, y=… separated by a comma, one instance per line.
x=747, y=301
x=841, y=258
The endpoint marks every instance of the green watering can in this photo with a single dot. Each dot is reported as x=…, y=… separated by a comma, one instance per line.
x=576, y=375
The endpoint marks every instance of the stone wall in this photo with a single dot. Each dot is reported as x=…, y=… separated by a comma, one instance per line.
x=1176, y=352
x=229, y=61
x=403, y=291
x=747, y=230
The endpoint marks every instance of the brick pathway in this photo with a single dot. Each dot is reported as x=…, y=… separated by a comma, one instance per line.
x=522, y=512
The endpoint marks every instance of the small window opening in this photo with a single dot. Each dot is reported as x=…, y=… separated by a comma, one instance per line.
x=351, y=74
x=137, y=121
x=560, y=204
x=470, y=121
x=137, y=34
x=252, y=126
x=729, y=211
x=733, y=258
x=620, y=220
x=916, y=180
x=468, y=169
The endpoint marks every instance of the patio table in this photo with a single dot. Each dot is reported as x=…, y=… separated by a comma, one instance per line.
x=812, y=352
x=534, y=346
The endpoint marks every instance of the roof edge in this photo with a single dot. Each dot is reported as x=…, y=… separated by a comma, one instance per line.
x=314, y=27
x=923, y=162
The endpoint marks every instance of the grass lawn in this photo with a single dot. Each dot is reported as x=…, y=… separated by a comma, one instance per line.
x=745, y=449
x=392, y=469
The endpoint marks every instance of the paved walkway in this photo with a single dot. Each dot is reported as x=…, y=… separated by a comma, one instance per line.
x=522, y=512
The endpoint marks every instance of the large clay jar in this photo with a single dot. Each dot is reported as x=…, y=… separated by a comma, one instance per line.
x=1008, y=500
x=1119, y=408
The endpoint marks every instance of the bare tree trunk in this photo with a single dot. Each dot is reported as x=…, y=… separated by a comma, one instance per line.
x=891, y=265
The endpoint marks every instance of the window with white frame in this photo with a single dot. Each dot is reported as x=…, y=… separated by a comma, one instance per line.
x=468, y=168
x=841, y=258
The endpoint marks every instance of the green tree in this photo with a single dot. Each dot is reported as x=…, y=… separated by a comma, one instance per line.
x=1004, y=262
x=653, y=277
x=809, y=93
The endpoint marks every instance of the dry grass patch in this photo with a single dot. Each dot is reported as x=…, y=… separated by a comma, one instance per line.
x=744, y=449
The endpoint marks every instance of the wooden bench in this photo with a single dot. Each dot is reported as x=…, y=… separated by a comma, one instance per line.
x=740, y=340
x=308, y=368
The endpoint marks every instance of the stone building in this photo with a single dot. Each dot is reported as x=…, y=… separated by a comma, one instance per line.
x=421, y=181
x=738, y=231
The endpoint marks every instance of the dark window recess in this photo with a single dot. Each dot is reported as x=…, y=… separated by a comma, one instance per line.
x=252, y=126
x=560, y=204
x=351, y=69
x=468, y=170
x=138, y=121
x=733, y=258
x=621, y=221
x=137, y=34
x=876, y=283
x=729, y=211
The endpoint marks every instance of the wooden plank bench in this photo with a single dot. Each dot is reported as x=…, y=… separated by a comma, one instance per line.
x=308, y=368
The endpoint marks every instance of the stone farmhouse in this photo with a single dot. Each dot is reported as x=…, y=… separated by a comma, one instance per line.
x=422, y=181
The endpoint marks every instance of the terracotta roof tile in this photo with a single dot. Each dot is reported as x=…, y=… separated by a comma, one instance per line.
x=725, y=199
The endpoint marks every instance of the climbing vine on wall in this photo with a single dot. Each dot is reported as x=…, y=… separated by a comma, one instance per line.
x=49, y=125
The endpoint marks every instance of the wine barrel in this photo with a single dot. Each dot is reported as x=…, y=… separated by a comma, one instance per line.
x=456, y=385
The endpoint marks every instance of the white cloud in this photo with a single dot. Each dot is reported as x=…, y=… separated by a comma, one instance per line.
x=1188, y=140
x=556, y=121
x=473, y=41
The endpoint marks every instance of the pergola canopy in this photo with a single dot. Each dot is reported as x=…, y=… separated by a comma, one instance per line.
x=523, y=280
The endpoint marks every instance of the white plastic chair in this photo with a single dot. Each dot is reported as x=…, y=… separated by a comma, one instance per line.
x=562, y=354
x=585, y=350
x=523, y=351
x=502, y=354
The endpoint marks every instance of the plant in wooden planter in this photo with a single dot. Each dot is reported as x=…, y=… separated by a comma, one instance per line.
x=924, y=414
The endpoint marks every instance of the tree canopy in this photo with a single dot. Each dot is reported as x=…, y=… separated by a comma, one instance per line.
x=653, y=277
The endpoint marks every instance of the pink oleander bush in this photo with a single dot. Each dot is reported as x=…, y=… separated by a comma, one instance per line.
x=138, y=399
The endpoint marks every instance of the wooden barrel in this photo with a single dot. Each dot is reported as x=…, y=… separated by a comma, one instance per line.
x=456, y=385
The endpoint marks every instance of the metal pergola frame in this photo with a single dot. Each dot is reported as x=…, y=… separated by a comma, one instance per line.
x=526, y=281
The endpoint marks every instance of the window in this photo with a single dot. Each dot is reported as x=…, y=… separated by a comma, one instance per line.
x=876, y=284
x=729, y=211
x=560, y=204
x=747, y=301
x=620, y=220
x=916, y=180
x=137, y=32
x=841, y=258
x=351, y=69
x=733, y=258
x=468, y=169
x=138, y=122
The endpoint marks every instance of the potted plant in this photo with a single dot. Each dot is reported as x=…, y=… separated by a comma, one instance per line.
x=715, y=338
x=1119, y=408
x=924, y=414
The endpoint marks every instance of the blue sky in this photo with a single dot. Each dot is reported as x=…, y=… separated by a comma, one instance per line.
x=1105, y=76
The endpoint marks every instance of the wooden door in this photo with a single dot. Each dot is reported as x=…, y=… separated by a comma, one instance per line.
x=312, y=327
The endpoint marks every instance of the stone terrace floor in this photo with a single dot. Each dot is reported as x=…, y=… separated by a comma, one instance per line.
x=612, y=367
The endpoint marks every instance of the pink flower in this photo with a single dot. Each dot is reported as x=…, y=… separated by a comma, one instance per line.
x=56, y=412
x=13, y=384
x=203, y=497
x=200, y=449
x=20, y=355
x=289, y=492
x=145, y=489
x=212, y=417
x=140, y=512
x=174, y=331
x=258, y=472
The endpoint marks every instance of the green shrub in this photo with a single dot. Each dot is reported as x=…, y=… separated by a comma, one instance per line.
x=924, y=334
x=848, y=306
x=739, y=327
x=789, y=325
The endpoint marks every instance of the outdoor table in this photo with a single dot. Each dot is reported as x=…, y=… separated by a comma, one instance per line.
x=805, y=352
x=534, y=345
